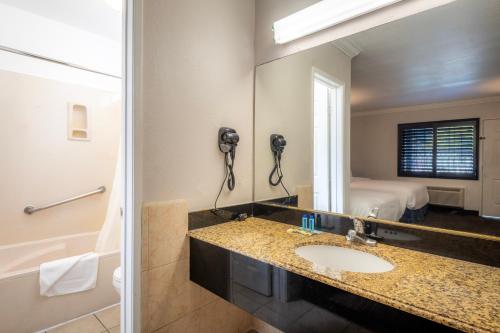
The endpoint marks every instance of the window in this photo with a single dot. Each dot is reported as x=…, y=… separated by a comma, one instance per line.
x=441, y=149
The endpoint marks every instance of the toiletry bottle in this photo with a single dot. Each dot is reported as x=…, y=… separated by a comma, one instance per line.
x=304, y=221
x=311, y=222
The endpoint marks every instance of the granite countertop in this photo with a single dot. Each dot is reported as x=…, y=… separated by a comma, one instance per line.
x=456, y=293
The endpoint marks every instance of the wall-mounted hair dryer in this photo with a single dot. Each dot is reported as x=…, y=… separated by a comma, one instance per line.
x=228, y=140
x=278, y=144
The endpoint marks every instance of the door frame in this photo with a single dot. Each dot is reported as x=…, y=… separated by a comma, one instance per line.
x=130, y=314
x=342, y=137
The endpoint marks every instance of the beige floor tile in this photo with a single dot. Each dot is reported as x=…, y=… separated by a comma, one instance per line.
x=115, y=329
x=210, y=318
x=88, y=324
x=110, y=317
x=187, y=324
x=222, y=317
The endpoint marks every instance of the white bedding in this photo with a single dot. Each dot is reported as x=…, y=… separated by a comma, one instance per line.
x=363, y=202
x=411, y=195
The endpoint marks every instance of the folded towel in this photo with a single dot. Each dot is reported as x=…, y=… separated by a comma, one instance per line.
x=69, y=275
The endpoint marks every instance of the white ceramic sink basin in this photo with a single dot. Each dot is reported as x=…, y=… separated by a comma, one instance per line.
x=334, y=258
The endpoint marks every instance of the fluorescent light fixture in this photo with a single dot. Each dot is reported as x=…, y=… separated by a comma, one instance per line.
x=322, y=15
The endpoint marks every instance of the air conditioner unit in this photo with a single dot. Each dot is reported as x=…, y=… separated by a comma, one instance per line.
x=446, y=196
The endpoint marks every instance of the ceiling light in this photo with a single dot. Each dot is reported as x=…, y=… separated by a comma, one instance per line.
x=115, y=4
x=321, y=15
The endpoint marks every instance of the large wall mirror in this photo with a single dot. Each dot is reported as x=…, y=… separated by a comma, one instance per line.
x=400, y=122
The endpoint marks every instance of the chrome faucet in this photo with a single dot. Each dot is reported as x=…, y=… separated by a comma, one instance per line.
x=358, y=233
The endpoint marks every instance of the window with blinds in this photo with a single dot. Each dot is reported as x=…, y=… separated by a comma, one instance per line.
x=441, y=149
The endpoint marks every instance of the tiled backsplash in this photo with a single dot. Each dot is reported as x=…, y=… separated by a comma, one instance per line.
x=170, y=301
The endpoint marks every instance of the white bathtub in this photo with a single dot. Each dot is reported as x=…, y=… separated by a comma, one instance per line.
x=22, y=309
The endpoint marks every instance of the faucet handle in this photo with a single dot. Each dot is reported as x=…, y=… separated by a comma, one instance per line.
x=351, y=235
x=359, y=225
x=373, y=213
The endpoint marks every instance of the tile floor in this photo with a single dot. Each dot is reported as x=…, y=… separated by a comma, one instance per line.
x=105, y=321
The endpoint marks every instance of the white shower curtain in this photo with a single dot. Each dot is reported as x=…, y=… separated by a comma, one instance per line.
x=110, y=236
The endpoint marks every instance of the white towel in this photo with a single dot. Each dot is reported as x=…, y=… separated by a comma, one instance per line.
x=69, y=275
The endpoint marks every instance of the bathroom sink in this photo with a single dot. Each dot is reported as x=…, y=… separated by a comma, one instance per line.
x=334, y=258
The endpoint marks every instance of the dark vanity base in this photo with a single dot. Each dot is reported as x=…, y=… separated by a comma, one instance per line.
x=293, y=303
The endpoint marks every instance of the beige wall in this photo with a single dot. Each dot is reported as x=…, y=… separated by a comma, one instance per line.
x=283, y=105
x=198, y=76
x=198, y=59
x=40, y=165
x=269, y=11
x=374, y=140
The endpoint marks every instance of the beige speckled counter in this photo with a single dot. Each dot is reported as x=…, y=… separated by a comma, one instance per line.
x=460, y=294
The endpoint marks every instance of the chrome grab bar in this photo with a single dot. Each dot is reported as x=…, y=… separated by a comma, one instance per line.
x=30, y=209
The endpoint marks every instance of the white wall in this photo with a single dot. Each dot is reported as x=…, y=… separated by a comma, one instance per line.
x=198, y=76
x=374, y=140
x=269, y=11
x=32, y=33
x=283, y=105
x=40, y=165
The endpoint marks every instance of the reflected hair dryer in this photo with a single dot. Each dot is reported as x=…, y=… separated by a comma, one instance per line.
x=278, y=144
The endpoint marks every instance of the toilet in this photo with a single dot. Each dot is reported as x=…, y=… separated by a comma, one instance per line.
x=117, y=279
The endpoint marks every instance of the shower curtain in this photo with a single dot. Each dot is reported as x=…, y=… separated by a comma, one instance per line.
x=110, y=236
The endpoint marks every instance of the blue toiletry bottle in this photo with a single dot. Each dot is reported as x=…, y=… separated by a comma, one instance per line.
x=304, y=221
x=311, y=222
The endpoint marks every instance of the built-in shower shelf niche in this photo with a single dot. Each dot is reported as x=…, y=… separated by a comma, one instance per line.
x=78, y=122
